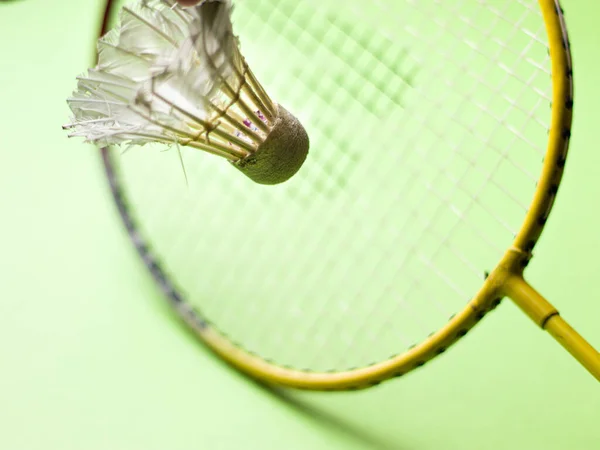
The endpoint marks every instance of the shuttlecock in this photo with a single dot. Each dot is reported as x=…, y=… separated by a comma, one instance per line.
x=176, y=75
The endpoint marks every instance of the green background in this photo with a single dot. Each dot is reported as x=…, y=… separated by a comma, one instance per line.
x=90, y=359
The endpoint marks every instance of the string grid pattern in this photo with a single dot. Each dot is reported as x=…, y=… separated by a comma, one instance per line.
x=428, y=123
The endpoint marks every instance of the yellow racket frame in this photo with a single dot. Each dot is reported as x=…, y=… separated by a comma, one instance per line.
x=506, y=280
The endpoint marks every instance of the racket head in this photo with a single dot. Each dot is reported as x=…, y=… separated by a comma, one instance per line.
x=128, y=181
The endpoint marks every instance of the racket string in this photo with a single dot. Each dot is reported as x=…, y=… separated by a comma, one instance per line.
x=420, y=173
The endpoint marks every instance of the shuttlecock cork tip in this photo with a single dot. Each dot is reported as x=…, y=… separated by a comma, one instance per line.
x=281, y=154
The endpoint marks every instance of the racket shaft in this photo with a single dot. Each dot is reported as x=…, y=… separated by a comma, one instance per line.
x=547, y=317
x=574, y=344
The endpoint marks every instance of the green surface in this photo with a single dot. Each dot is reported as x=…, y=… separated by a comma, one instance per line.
x=92, y=360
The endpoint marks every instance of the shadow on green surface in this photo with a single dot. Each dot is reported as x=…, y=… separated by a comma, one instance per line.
x=327, y=419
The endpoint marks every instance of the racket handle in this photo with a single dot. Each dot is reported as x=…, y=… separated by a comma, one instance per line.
x=576, y=345
x=547, y=317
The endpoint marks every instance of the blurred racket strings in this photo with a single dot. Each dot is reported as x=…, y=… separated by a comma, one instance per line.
x=428, y=123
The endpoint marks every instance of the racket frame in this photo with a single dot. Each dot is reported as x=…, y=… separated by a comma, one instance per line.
x=506, y=280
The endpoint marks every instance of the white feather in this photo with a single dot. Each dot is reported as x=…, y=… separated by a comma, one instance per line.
x=157, y=74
